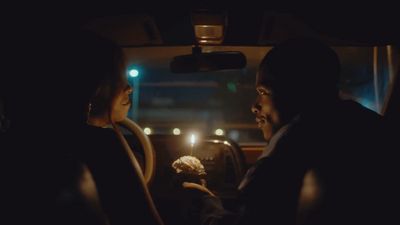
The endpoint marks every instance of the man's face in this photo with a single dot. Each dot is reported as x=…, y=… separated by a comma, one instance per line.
x=265, y=111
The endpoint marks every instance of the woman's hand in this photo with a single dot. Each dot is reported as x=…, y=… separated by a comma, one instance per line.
x=202, y=187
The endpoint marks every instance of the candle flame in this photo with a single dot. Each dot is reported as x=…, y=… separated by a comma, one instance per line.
x=192, y=139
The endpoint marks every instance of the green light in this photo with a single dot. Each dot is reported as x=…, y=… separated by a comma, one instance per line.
x=133, y=72
x=231, y=87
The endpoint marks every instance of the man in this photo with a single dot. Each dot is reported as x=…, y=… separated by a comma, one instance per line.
x=309, y=130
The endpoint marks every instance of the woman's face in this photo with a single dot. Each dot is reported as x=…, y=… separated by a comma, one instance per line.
x=121, y=103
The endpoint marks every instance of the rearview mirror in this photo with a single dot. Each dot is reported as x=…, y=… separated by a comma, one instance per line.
x=204, y=62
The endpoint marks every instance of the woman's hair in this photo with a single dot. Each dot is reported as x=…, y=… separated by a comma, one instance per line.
x=95, y=72
x=108, y=87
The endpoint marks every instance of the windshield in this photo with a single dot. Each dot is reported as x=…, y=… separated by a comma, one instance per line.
x=218, y=103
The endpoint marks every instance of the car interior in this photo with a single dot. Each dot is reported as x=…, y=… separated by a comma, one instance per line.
x=193, y=74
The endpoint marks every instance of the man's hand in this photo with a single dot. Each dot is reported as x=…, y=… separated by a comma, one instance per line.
x=199, y=187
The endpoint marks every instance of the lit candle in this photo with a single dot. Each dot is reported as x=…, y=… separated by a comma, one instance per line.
x=192, y=141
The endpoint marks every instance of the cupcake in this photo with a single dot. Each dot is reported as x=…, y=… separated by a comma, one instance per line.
x=189, y=168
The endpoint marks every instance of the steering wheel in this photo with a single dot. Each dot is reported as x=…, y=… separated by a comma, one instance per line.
x=149, y=155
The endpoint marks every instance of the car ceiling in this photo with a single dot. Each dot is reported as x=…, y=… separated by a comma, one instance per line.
x=246, y=27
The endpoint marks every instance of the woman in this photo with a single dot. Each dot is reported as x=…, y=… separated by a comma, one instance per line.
x=98, y=98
